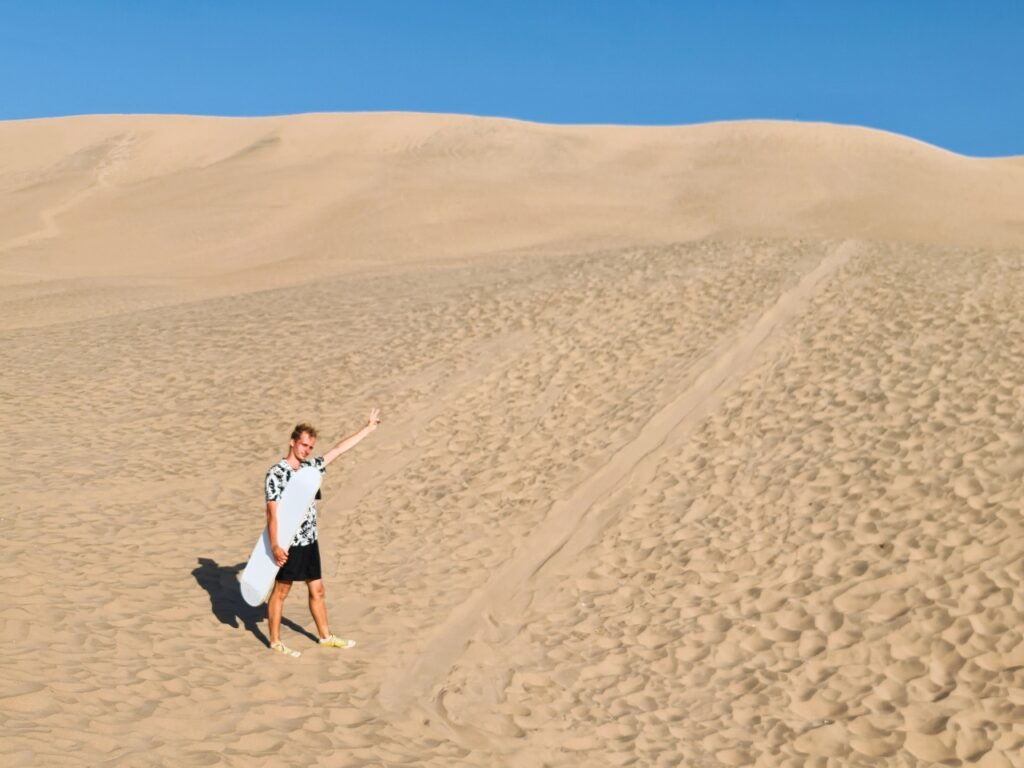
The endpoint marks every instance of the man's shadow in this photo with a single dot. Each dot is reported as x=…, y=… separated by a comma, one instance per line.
x=221, y=584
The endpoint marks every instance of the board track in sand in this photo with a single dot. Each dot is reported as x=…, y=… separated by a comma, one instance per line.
x=567, y=528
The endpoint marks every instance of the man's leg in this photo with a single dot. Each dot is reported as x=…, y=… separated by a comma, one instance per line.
x=318, y=607
x=274, y=607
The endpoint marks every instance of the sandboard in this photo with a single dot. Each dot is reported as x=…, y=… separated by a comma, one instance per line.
x=258, y=577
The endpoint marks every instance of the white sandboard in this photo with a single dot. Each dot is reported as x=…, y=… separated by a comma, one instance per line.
x=258, y=576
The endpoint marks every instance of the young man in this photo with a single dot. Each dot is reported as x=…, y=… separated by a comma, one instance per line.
x=301, y=561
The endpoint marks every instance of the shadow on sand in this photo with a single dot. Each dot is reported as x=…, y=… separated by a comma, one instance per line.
x=221, y=584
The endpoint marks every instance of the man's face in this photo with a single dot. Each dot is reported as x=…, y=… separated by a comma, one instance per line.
x=303, y=446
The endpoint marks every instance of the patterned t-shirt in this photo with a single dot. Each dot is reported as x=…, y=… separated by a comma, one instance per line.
x=277, y=478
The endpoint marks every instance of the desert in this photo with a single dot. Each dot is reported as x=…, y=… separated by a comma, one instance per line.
x=702, y=445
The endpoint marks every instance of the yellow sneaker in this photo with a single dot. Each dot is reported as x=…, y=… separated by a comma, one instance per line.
x=333, y=641
x=280, y=647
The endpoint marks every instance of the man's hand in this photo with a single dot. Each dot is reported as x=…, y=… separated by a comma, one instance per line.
x=280, y=556
x=374, y=420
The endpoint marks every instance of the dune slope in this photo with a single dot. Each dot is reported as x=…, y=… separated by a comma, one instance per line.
x=701, y=445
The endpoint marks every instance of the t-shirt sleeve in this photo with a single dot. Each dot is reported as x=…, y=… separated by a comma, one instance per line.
x=274, y=487
x=320, y=464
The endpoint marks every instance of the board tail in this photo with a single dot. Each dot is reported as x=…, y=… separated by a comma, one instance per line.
x=253, y=596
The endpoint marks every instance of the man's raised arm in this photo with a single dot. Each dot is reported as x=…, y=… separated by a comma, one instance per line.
x=350, y=442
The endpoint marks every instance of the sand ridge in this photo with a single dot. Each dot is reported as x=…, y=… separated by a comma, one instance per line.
x=149, y=210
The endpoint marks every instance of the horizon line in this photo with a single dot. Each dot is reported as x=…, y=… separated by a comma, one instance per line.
x=505, y=118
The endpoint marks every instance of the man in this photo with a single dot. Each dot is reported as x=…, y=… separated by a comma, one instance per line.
x=301, y=561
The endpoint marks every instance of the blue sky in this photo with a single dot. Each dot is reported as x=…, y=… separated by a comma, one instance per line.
x=949, y=73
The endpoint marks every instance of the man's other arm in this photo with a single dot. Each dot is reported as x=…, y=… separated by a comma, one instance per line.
x=279, y=555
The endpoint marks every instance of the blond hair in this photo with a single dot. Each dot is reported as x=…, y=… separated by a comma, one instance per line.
x=300, y=428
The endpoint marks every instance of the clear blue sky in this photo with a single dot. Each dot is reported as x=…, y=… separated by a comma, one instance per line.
x=950, y=73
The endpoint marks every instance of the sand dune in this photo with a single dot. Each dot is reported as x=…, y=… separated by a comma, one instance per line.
x=142, y=210
x=702, y=445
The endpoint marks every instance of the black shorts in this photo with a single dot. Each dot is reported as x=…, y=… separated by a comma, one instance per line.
x=303, y=564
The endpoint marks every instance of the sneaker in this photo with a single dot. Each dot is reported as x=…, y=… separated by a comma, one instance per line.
x=280, y=647
x=333, y=641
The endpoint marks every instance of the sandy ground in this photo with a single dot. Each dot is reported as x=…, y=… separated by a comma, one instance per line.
x=702, y=446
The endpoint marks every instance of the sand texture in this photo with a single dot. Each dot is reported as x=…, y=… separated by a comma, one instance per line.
x=702, y=446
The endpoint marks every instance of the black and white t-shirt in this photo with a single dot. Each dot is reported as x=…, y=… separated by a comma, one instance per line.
x=277, y=478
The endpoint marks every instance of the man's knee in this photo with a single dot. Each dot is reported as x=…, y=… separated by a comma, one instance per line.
x=316, y=590
x=281, y=589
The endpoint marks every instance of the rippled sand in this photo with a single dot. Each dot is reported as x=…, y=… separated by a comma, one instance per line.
x=741, y=497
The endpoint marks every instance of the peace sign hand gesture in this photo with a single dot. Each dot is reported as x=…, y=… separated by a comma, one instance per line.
x=374, y=420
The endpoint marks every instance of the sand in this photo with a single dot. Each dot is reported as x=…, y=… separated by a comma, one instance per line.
x=702, y=446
